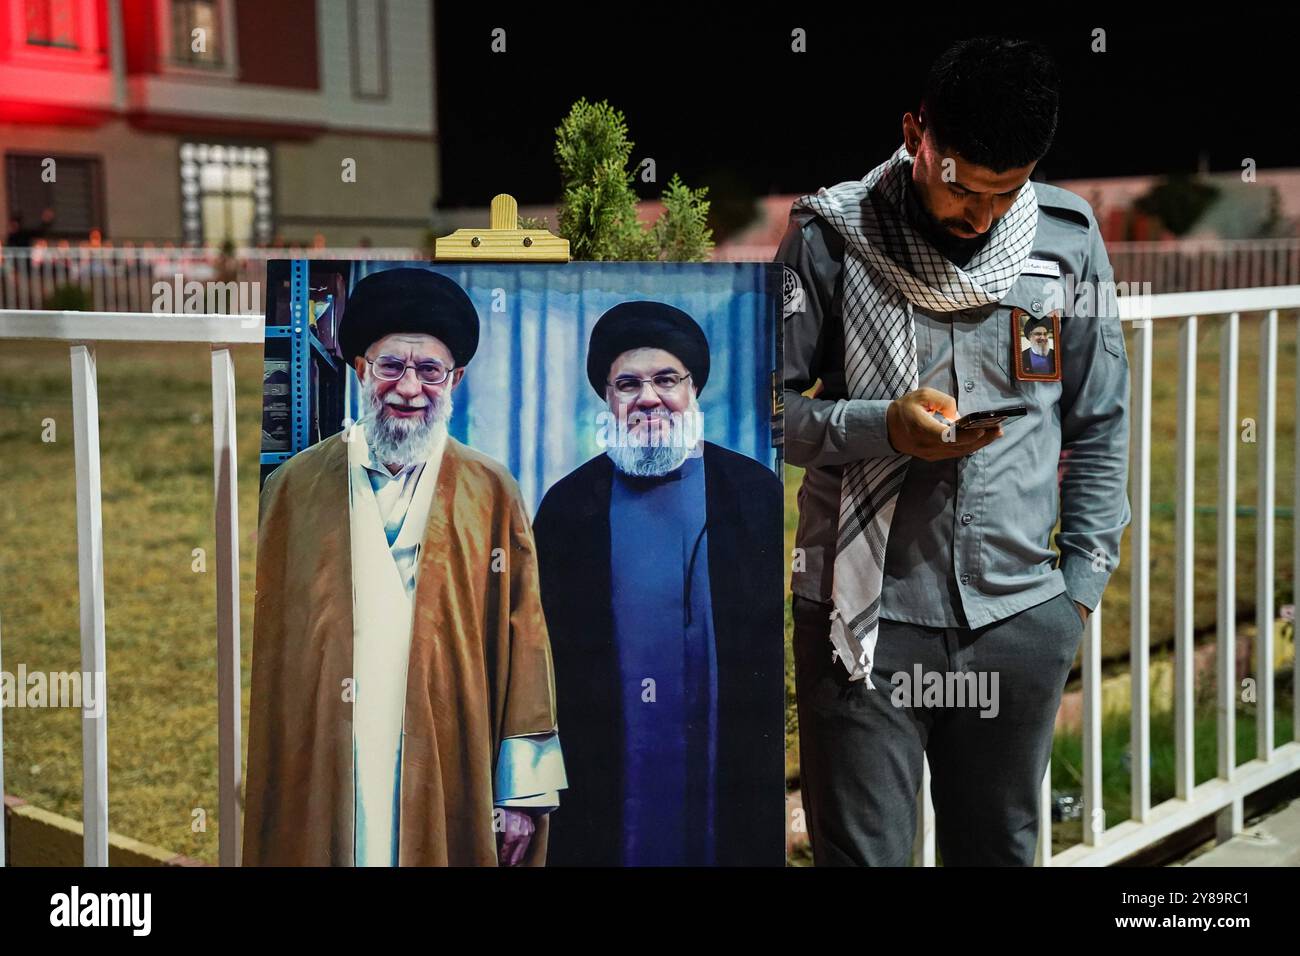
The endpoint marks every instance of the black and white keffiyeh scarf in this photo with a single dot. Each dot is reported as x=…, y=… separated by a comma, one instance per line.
x=889, y=268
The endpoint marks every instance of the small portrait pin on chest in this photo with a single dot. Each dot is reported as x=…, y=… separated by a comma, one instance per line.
x=1036, y=342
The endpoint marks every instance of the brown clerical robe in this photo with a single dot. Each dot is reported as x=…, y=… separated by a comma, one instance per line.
x=480, y=666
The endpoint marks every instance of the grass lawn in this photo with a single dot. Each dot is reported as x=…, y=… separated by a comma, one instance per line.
x=156, y=454
x=1067, y=757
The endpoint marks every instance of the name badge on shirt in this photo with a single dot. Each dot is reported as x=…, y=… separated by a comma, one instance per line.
x=1037, y=353
x=1042, y=267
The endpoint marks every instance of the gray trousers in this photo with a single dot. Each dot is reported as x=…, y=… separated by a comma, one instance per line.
x=860, y=750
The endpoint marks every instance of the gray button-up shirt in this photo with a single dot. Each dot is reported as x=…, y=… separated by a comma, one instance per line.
x=970, y=539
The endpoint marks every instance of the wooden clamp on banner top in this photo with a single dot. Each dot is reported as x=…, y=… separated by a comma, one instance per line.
x=502, y=240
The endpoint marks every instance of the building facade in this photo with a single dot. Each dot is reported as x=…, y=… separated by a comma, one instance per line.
x=206, y=121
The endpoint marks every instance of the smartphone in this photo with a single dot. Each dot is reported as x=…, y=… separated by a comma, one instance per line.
x=990, y=419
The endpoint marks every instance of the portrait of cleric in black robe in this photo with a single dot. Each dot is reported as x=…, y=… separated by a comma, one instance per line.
x=1038, y=358
x=661, y=573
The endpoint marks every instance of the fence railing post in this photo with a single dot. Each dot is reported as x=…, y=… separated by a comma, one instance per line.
x=1139, y=645
x=1228, y=820
x=90, y=562
x=1094, y=808
x=225, y=473
x=1264, y=562
x=923, y=846
x=1043, y=853
x=1185, y=566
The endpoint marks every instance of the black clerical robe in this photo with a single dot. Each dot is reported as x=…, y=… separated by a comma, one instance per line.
x=744, y=503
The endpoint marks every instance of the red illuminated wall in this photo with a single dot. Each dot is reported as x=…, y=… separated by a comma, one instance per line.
x=89, y=30
x=140, y=30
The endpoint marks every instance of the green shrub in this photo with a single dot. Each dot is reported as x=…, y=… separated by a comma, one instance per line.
x=598, y=211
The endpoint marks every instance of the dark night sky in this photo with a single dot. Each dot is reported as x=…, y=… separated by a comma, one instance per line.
x=724, y=102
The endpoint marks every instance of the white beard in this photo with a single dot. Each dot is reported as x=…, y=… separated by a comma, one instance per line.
x=402, y=441
x=1039, y=350
x=653, y=456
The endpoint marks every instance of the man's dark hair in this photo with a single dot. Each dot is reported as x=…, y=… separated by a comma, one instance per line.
x=993, y=101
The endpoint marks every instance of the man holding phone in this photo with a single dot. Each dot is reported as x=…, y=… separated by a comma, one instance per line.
x=923, y=548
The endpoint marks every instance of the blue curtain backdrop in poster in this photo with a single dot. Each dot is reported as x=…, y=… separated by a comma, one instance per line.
x=525, y=399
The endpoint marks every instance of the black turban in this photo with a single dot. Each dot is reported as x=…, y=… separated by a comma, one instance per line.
x=409, y=300
x=1045, y=323
x=646, y=325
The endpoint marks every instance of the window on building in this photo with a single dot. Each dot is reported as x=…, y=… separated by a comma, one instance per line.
x=196, y=33
x=52, y=23
x=369, y=43
x=225, y=194
x=55, y=197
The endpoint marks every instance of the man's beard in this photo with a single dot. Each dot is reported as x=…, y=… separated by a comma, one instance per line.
x=951, y=228
x=653, y=456
x=402, y=441
x=1038, y=349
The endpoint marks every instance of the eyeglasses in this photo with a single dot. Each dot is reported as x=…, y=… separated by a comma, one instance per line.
x=389, y=368
x=629, y=386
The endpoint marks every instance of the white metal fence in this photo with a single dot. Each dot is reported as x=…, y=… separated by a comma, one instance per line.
x=118, y=279
x=123, y=279
x=1201, y=265
x=82, y=331
x=1222, y=797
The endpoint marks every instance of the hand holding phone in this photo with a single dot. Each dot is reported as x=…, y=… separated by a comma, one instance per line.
x=913, y=429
